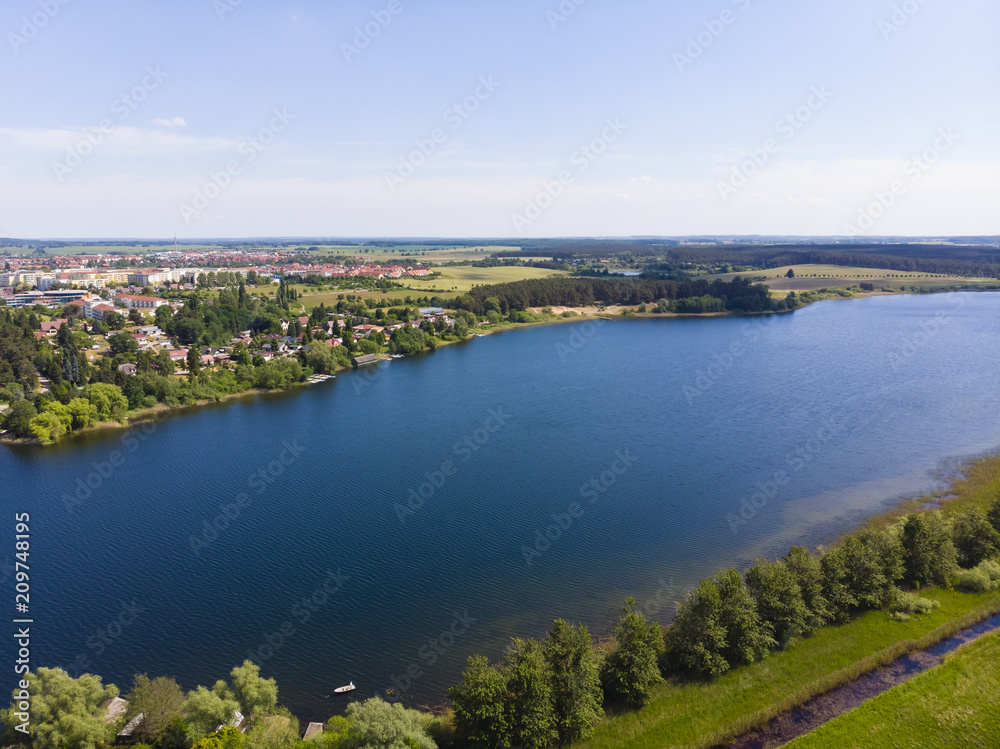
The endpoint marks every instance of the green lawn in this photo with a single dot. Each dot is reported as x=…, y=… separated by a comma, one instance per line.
x=702, y=714
x=955, y=705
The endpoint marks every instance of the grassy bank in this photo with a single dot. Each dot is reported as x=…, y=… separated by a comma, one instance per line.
x=694, y=714
x=954, y=705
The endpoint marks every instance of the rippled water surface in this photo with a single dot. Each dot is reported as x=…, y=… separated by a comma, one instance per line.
x=454, y=493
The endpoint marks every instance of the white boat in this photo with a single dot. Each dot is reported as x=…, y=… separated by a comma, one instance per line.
x=349, y=688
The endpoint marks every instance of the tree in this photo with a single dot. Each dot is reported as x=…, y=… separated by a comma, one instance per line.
x=122, y=343
x=808, y=572
x=836, y=588
x=479, y=701
x=19, y=417
x=697, y=637
x=975, y=538
x=790, y=274
x=873, y=563
x=257, y=696
x=747, y=640
x=47, y=427
x=207, y=708
x=114, y=320
x=574, y=670
x=84, y=412
x=376, y=724
x=136, y=317
x=159, y=700
x=134, y=392
x=993, y=515
x=109, y=401
x=631, y=671
x=532, y=717
x=779, y=601
x=193, y=362
x=65, y=712
x=929, y=556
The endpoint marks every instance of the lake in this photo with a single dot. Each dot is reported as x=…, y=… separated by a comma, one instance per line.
x=383, y=526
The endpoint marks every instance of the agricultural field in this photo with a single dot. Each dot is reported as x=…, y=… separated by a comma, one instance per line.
x=812, y=277
x=956, y=705
x=454, y=280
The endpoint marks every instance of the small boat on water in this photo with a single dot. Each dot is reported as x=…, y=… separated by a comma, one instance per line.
x=349, y=688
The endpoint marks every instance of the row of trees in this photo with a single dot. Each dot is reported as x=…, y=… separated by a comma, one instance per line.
x=738, y=295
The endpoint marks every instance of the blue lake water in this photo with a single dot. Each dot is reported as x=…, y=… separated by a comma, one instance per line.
x=561, y=468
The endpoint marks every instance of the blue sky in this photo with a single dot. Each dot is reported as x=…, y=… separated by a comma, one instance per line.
x=220, y=118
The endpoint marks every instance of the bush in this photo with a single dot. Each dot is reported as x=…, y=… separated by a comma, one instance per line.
x=899, y=616
x=975, y=581
x=908, y=603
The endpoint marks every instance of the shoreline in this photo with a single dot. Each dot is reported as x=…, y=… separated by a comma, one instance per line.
x=614, y=314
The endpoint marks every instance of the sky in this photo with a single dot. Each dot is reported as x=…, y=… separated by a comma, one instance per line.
x=482, y=118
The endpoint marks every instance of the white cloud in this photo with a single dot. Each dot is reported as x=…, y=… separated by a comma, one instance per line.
x=172, y=122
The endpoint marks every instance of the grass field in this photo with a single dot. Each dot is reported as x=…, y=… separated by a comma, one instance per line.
x=955, y=705
x=455, y=280
x=811, y=277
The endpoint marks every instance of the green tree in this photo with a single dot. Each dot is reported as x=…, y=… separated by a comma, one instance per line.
x=790, y=274
x=257, y=696
x=808, y=572
x=929, y=556
x=376, y=724
x=836, y=588
x=630, y=671
x=532, y=716
x=479, y=701
x=696, y=638
x=576, y=681
x=18, y=418
x=160, y=700
x=747, y=640
x=83, y=412
x=993, y=515
x=975, y=538
x=114, y=320
x=779, y=600
x=874, y=563
x=65, y=712
x=134, y=392
x=109, y=401
x=193, y=362
x=207, y=708
x=122, y=343
x=47, y=427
